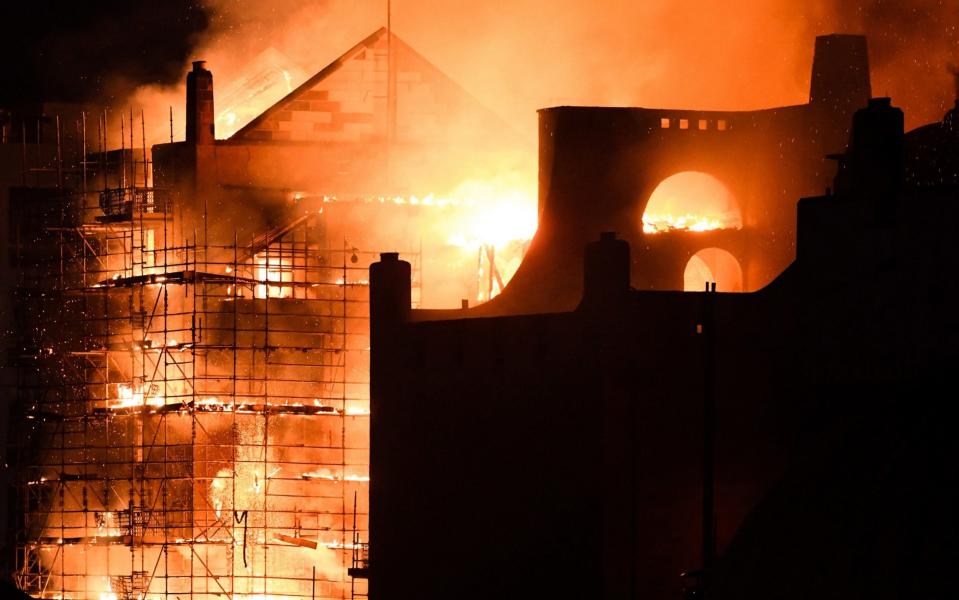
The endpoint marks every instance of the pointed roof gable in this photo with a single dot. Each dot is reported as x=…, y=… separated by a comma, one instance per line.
x=347, y=102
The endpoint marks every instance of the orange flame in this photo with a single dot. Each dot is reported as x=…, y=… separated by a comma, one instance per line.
x=691, y=201
x=128, y=396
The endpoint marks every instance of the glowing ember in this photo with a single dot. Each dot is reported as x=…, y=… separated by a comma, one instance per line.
x=107, y=524
x=663, y=223
x=328, y=475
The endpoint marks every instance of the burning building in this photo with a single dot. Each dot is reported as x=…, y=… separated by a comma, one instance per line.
x=191, y=361
x=380, y=125
x=192, y=330
x=599, y=437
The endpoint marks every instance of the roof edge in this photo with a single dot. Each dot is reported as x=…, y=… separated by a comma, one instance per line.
x=309, y=83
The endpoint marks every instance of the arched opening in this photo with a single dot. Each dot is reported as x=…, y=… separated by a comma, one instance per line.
x=713, y=265
x=691, y=201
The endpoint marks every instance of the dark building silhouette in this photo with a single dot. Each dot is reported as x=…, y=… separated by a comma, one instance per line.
x=599, y=167
x=583, y=437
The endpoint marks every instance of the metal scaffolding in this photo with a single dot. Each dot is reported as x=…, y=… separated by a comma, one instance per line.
x=196, y=413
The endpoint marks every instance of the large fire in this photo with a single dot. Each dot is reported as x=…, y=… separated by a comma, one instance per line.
x=228, y=385
x=498, y=231
x=270, y=509
x=497, y=217
x=240, y=496
x=483, y=227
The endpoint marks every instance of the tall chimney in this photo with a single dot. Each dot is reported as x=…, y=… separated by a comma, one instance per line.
x=840, y=86
x=389, y=314
x=840, y=73
x=199, y=105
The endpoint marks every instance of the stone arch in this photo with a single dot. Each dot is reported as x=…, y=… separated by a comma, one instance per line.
x=713, y=265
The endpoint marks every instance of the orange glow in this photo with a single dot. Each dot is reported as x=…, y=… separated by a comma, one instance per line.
x=240, y=495
x=328, y=475
x=186, y=403
x=691, y=201
x=713, y=265
x=262, y=81
x=107, y=524
x=128, y=396
x=491, y=213
x=273, y=269
x=662, y=223
x=498, y=229
x=500, y=216
x=108, y=596
x=479, y=220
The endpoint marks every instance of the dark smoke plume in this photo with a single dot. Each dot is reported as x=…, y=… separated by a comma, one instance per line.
x=86, y=51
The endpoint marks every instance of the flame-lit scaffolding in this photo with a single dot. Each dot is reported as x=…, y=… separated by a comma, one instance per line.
x=197, y=412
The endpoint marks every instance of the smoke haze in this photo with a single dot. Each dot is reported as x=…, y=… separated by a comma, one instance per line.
x=522, y=55
x=513, y=56
x=911, y=45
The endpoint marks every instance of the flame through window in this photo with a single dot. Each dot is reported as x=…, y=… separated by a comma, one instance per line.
x=691, y=201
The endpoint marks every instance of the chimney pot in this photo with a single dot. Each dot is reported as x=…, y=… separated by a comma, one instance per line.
x=199, y=65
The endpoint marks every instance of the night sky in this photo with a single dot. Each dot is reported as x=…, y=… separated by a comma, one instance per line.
x=76, y=51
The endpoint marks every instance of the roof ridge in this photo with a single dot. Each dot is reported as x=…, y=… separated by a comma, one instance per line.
x=310, y=82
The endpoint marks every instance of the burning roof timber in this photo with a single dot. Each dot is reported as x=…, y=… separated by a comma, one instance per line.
x=605, y=438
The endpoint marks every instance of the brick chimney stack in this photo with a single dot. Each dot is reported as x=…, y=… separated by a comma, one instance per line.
x=199, y=105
